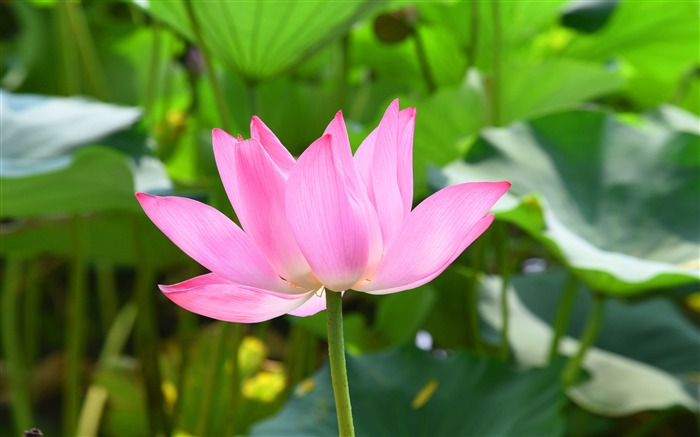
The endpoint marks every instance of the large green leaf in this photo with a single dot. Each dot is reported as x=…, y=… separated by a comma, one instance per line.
x=645, y=356
x=40, y=127
x=445, y=123
x=93, y=179
x=261, y=39
x=45, y=167
x=643, y=32
x=520, y=24
x=531, y=83
x=408, y=392
x=119, y=238
x=657, y=40
x=588, y=15
x=618, y=202
x=534, y=89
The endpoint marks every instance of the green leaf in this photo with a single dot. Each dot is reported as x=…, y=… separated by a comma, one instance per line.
x=617, y=203
x=262, y=39
x=93, y=179
x=643, y=32
x=126, y=410
x=658, y=41
x=354, y=327
x=445, y=123
x=535, y=89
x=40, y=127
x=401, y=315
x=408, y=392
x=445, y=56
x=45, y=167
x=588, y=15
x=108, y=236
x=645, y=357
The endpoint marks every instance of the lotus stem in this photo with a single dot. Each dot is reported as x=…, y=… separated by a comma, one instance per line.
x=20, y=406
x=501, y=237
x=590, y=333
x=473, y=34
x=497, y=63
x=423, y=62
x=336, y=354
x=85, y=46
x=216, y=366
x=211, y=73
x=75, y=330
x=563, y=315
x=234, y=388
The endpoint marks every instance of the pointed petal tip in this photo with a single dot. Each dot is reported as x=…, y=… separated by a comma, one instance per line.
x=212, y=296
x=410, y=111
x=220, y=138
x=505, y=185
x=256, y=123
x=325, y=138
x=143, y=197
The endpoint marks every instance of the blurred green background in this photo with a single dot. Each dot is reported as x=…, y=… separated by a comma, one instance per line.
x=575, y=314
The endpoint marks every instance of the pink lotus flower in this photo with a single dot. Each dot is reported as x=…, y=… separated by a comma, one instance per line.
x=329, y=221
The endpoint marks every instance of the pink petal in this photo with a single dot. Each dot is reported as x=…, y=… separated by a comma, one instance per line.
x=328, y=222
x=312, y=306
x=357, y=190
x=213, y=240
x=363, y=162
x=214, y=296
x=342, y=154
x=385, y=165
x=404, y=155
x=434, y=235
x=256, y=187
x=279, y=154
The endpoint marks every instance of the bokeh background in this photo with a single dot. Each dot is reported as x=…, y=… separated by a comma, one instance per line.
x=575, y=314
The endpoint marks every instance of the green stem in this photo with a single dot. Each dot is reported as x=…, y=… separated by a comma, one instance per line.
x=93, y=408
x=146, y=338
x=32, y=307
x=341, y=51
x=234, y=395
x=75, y=331
x=153, y=69
x=473, y=34
x=501, y=236
x=118, y=335
x=563, y=315
x=251, y=88
x=590, y=333
x=186, y=328
x=472, y=302
x=69, y=81
x=336, y=354
x=86, y=48
x=423, y=62
x=106, y=294
x=496, y=53
x=216, y=365
x=96, y=397
x=12, y=347
x=218, y=95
